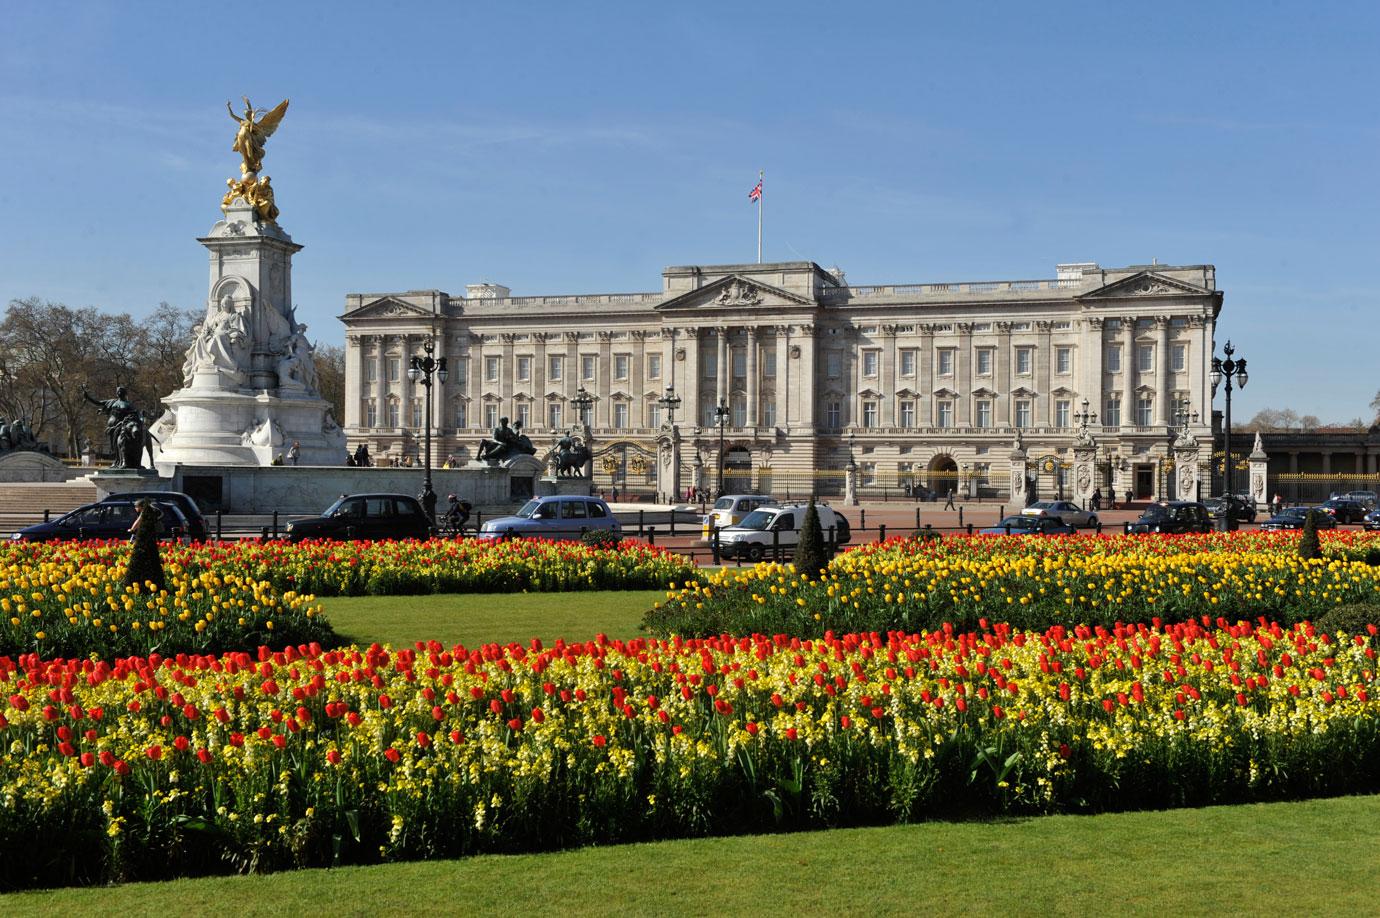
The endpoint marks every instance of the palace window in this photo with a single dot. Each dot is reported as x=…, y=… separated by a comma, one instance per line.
x=769, y=364
x=371, y=413
x=769, y=413
x=833, y=413
x=459, y=374
x=907, y=413
x=555, y=365
x=553, y=415
x=524, y=369
x=1145, y=357
x=1061, y=413
x=1178, y=358
x=393, y=413
x=984, y=361
x=1022, y=412
x=869, y=413
x=1144, y=411
x=944, y=412
x=393, y=372
x=417, y=417
x=1024, y=360
x=1111, y=416
x=946, y=361
x=983, y=413
x=490, y=416
x=908, y=362
x=620, y=366
x=460, y=420
x=371, y=371
x=739, y=411
x=739, y=362
x=491, y=367
x=524, y=415
x=709, y=419
x=653, y=414
x=1114, y=358
x=1063, y=360
x=833, y=364
x=653, y=366
x=620, y=415
x=588, y=364
x=871, y=362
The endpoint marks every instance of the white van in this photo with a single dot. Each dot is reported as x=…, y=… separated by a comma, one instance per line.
x=730, y=510
x=766, y=528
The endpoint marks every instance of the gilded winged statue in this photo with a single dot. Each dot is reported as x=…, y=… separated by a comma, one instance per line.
x=249, y=139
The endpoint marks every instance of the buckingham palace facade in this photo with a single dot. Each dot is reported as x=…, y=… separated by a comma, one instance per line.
x=916, y=383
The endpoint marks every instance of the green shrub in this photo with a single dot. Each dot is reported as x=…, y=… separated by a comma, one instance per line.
x=1352, y=618
x=810, y=554
x=1309, y=546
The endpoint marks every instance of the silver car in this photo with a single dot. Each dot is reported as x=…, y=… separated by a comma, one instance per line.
x=557, y=517
x=1064, y=510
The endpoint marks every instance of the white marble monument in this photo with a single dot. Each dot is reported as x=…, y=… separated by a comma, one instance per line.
x=249, y=388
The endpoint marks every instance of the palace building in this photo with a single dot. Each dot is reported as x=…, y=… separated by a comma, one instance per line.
x=918, y=384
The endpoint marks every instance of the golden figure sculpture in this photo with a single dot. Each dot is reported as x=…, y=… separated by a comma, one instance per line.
x=260, y=194
x=249, y=139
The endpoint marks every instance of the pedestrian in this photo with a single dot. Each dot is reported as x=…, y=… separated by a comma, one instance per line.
x=949, y=504
x=1096, y=501
x=1278, y=503
x=1128, y=498
x=615, y=494
x=294, y=452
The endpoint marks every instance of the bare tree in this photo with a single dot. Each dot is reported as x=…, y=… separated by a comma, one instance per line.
x=330, y=375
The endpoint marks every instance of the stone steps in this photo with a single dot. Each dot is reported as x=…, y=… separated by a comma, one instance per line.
x=31, y=500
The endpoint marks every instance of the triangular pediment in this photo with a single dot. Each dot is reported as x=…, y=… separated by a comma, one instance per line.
x=736, y=292
x=984, y=392
x=389, y=307
x=1144, y=284
x=945, y=393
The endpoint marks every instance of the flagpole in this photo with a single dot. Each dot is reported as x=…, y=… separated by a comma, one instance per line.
x=761, y=175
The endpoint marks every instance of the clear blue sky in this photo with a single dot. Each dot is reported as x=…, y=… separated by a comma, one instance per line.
x=580, y=147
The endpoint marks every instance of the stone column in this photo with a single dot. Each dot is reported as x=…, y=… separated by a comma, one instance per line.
x=1043, y=409
x=405, y=386
x=1002, y=413
x=538, y=392
x=781, y=386
x=1164, y=386
x=1260, y=466
x=570, y=374
x=689, y=387
x=1018, y=491
x=722, y=378
x=637, y=380
x=963, y=375
x=1128, y=370
x=887, y=383
x=381, y=383
x=603, y=408
x=924, y=379
x=752, y=384
x=1084, y=471
x=1090, y=386
x=475, y=363
x=805, y=383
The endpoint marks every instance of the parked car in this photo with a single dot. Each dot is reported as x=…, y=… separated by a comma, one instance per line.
x=554, y=517
x=1065, y=510
x=197, y=529
x=1294, y=517
x=1371, y=521
x=1368, y=499
x=1242, y=510
x=766, y=528
x=365, y=517
x=1344, y=511
x=731, y=509
x=1027, y=524
x=1174, y=516
x=109, y=519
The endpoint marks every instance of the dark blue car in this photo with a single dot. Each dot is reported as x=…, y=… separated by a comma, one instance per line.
x=110, y=519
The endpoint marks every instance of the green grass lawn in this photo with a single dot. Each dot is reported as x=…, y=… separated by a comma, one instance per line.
x=475, y=618
x=1314, y=857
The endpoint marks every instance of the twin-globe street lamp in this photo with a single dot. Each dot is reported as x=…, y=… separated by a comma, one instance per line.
x=421, y=370
x=1225, y=371
x=668, y=404
x=721, y=416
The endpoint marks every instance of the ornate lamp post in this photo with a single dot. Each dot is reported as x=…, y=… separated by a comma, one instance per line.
x=721, y=416
x=582, y=402
x=1225, y=371
x=668, y=403
x=423, y=370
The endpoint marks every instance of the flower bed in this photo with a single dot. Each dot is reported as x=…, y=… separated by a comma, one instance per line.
x=326, y=568
x=70, y=600
x=911, y=584
x=150, y=767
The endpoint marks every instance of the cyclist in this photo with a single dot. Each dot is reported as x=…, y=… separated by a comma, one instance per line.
x=457, y=513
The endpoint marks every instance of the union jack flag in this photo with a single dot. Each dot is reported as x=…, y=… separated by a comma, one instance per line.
x=756, y=193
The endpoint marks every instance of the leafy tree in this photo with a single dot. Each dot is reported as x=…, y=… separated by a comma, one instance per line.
x=1309, y=546
x=810, y=555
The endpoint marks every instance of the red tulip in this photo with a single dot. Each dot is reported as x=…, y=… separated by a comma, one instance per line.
x=599, y=741
x=751, y=728
x=204, y=756
x=181, y=744
x=87, y=760
x=333, y=756
x=791, y=734
x=392, y=755
x=154, y=752
x=121, y=768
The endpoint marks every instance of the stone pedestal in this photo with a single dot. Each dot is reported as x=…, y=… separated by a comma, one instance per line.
x=1259, y=465
x=850, y=485
x=668, y=464
x=1020, y=491
x=250, y=387
x=1084, y=473
x=1186, y=470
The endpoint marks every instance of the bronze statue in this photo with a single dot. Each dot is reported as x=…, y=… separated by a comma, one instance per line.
x=249, y=139
x=124, y=428
x=571, y=456
x=506, y=443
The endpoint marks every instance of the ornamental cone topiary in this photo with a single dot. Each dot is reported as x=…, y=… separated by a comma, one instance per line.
x=145, y=566
x=1309, y=546
x=810, y=558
